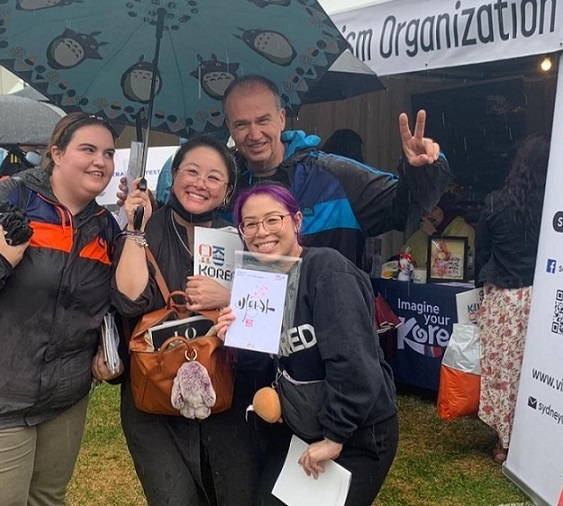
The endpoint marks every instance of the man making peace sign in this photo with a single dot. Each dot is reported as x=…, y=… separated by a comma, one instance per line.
x=343, y=201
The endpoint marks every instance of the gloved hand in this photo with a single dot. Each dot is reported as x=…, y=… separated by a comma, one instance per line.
x=15, y=223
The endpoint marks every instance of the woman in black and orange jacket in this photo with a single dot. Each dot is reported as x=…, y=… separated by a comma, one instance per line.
x=54, y=292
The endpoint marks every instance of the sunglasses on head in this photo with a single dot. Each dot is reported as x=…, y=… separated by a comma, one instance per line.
x=90, y=119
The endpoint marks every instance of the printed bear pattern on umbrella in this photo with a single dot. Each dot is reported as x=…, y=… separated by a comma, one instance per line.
x=98, y=56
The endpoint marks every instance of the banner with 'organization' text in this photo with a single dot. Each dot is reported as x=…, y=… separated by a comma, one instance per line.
x=413, y=35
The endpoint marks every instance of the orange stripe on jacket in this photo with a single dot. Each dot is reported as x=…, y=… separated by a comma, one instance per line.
x=97, y=250
x=46, y=235
x=50, y=236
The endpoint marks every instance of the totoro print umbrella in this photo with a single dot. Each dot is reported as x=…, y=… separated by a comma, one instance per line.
x=167, y=60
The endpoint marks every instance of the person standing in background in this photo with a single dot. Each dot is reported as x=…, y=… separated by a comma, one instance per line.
x=19, y=157
x=506, y=246
x=440, y=221
x=345, y=142
x=164, y=182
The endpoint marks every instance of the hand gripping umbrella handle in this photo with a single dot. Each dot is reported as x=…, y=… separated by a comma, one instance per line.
x=140, y=211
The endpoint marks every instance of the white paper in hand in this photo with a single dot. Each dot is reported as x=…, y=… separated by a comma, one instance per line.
x=257, y=299
x=134, y=170
x=295, y=488
x=110, y=343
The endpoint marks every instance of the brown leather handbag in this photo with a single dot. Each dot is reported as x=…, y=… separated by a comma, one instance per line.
x=152, y=371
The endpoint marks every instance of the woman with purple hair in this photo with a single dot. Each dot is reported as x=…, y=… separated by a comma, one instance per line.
x=334, y=310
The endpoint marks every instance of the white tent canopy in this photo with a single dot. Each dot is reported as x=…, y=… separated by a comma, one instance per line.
x=334, y=6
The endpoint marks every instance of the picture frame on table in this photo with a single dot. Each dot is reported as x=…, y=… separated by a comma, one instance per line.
x=447, y=259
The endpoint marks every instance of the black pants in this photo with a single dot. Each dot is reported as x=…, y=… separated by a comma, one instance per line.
x=180, y=462
x=368, y=455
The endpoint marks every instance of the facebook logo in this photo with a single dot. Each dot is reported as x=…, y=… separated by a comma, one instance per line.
x=551, y=265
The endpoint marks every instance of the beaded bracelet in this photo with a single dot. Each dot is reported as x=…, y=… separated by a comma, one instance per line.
x=139, y=239
x=135, y=235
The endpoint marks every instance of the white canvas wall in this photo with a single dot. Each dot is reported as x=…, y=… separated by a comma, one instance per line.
x=9, y=82
x=332, y=6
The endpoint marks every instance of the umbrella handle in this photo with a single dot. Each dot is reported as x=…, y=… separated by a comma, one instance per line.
x=140, y=211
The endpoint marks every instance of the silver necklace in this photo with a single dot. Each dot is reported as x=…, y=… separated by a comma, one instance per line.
x=178, y=235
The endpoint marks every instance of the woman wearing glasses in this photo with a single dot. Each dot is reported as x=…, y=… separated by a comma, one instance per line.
x=54, y=292
x=333, y=338
x=214, y=461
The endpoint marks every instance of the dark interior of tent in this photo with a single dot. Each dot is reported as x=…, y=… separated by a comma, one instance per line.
x=478, y=114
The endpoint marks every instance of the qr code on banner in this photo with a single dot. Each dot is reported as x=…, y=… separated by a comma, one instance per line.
x=557, y=323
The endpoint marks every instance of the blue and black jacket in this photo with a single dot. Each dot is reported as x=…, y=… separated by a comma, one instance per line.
x=344, y=201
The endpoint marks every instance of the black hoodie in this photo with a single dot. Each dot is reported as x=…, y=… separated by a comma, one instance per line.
x=334, y=338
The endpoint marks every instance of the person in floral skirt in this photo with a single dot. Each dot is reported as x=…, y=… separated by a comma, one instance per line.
x=506, y=244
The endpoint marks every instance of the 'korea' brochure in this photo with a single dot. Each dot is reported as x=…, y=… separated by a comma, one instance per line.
x=214, y=253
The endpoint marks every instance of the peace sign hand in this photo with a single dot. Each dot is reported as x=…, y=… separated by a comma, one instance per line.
x=418, y=149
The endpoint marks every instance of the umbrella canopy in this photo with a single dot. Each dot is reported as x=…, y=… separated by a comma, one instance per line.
x=26, y=121
x=101, y=56
x=347, y=77
x=29, y=92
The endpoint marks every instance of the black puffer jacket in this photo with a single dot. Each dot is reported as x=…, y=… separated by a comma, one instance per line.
x=52, y=304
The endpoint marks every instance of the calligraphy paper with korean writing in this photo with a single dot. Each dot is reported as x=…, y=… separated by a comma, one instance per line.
x=275, y=263
x=257, y=299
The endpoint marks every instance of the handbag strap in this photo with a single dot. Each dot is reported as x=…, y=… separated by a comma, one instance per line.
x=212, y=314
x=159, y=278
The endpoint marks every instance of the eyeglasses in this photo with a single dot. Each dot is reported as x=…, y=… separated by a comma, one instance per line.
x=271, y=224
x=211, y=181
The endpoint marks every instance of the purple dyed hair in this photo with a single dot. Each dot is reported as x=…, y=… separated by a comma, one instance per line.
x=278, y=192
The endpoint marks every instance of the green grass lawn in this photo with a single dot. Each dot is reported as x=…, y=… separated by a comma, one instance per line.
x=438, y=463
